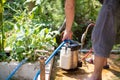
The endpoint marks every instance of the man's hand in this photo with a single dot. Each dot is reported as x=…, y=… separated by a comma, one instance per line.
x=67, y=35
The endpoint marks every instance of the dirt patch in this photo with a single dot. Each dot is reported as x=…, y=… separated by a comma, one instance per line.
x=82, y=73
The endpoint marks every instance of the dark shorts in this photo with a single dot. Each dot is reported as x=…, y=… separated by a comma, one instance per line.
x=104, y=33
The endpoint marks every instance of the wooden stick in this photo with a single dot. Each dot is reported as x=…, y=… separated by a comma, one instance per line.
x=42, y=68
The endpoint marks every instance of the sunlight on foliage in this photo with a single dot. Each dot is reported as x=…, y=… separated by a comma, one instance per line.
x=26, y=30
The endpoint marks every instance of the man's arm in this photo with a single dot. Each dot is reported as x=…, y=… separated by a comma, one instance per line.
x=69, y=12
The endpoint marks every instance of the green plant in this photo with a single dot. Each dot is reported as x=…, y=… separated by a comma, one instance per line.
x=86, y=10
x=2, y=37
x=1, y=27
x=2, y=34
x=28, y=37
x=27, y=30
x=116, y=47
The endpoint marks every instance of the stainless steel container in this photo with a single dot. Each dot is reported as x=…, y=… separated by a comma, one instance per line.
x=69, y=59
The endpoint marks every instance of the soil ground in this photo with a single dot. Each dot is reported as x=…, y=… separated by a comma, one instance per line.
x=82, y=73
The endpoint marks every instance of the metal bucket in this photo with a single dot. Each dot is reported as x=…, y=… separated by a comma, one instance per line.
x=69, y=59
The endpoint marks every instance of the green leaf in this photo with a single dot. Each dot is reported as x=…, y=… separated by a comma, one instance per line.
x=19, y=49
x=3, y=1
x=1, y=8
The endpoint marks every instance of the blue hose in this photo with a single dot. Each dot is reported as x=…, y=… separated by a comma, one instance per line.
x=51, y=56
x=14, y=71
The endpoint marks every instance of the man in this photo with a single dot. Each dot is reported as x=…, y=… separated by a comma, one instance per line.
x=103, y=35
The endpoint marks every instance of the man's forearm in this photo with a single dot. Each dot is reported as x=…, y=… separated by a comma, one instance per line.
x=69, y=12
